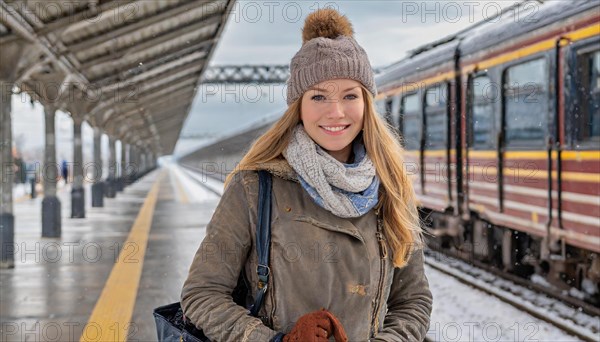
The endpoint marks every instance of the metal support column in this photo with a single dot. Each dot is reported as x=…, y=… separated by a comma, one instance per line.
x=138, y=163
x=111, y=180
x=7, y=219
x=11, y=57
x=51, y=207
x=121, y=175
x=133, y=160
x=98, y=186
x=125, y=161
x=77, y=191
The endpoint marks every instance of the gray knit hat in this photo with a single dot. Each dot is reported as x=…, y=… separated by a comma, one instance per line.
x=328, y=51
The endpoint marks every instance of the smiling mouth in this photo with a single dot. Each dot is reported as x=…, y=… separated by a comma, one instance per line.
x=335, y=128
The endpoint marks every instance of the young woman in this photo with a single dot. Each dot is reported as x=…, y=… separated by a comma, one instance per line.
x=346, y=258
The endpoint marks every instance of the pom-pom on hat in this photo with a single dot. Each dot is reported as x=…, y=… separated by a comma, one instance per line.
x=328, y=51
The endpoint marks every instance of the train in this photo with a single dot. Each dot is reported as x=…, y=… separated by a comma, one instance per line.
x=500, y=124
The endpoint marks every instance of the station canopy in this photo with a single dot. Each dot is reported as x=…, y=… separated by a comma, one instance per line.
x=130, y=68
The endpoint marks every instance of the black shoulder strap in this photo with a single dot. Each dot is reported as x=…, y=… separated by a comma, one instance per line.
x=263, y=238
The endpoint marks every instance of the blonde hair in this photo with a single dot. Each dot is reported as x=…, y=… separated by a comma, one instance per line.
x=401, y=223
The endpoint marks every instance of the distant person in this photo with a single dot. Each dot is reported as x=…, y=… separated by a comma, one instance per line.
x=20, y=171
x=346, y=242
x=65, y=171
x=18, y=166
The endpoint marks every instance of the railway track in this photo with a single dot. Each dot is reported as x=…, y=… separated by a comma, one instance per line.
x=561, y=295
x=540, y=304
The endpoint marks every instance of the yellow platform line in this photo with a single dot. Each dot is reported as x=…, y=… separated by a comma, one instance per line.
x=181, y=191
x=22, y=198
x=111, y=317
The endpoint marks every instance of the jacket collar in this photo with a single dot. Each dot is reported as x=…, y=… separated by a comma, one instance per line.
x=280, y=168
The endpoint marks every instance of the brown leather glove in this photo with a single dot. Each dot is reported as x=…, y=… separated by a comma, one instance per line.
x=317, y=326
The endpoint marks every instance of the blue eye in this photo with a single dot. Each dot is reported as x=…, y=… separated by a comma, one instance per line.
x=351, y=97
x=318, y=98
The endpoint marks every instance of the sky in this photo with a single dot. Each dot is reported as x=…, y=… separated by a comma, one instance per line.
x=269, y=32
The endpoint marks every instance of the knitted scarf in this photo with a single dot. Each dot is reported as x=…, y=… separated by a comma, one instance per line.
x=346, y=190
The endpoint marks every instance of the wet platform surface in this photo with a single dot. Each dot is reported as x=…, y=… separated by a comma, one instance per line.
x=63, y=289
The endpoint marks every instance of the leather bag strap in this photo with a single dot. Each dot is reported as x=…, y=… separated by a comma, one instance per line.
x=263, y=238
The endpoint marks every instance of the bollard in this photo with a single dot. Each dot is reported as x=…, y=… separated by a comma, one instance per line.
x=77, y=203
x=119, y=184
x=98, y=194
x=7, y=253
x=109, y=188
x=51, y=217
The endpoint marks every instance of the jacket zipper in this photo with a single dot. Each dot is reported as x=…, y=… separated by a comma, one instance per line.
x=383, y=256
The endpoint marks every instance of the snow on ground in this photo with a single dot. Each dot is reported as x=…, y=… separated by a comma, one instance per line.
x=195, y=192
x=209, y=182
x=553, y=309
x=461, y=313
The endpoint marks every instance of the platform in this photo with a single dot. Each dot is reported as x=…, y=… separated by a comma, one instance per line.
x=63, y=289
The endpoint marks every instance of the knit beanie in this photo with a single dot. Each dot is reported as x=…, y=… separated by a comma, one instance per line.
x=328, y=51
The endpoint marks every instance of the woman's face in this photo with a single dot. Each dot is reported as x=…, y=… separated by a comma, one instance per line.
x=332, y=114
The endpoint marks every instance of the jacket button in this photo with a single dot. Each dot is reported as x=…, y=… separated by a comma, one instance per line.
x=288, y=209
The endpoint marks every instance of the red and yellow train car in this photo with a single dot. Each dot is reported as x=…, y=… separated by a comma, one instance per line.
x=501, y=126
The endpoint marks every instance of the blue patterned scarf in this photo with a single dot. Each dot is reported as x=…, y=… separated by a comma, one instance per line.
x=346, y=190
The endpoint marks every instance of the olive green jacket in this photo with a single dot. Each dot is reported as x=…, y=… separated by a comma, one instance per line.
x=317, y=260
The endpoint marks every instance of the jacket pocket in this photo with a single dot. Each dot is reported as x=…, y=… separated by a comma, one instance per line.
x=344, y=227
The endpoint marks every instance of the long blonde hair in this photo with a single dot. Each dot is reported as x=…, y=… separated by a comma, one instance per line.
x=401, y=226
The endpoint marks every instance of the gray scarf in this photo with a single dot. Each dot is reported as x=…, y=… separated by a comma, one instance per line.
x=346, y=190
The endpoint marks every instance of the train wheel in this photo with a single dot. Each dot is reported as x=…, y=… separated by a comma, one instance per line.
x=508, y=262
x=483, y=241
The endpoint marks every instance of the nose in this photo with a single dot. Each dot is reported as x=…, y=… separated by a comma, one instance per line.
x=335, y=110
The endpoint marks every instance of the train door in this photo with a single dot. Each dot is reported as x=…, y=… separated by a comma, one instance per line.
x=436, y=146
x=411, y=127
x=580, y=160
x=482, y=144
x=481, y=159
x=525, y=176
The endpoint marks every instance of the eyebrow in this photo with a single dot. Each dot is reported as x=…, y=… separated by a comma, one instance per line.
x=325, y=90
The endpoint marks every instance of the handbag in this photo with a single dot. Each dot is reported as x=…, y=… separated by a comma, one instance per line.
x=171, y=323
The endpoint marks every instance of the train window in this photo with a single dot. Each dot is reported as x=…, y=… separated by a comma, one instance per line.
x=410, y=109
x=436, y=112
x=588, y=119
x=481, y=109
x=526, y=103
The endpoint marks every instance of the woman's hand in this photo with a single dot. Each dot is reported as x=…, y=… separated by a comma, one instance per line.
x=317, y=326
